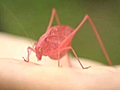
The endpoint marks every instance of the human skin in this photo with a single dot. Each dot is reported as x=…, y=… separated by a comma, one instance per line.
x=45, y=74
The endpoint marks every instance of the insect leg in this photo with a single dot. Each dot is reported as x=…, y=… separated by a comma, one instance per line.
x=54, y=14
x=59, y=60
x=68, y=60
x=29, y=49
x=78, y=59
x=100, y=41
x=97, y=36
x=68, y=48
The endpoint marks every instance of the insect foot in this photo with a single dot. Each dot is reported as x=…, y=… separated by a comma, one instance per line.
x=86, y=67
x=25, y=59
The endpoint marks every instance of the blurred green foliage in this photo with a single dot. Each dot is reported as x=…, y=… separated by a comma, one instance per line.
x=34, y=16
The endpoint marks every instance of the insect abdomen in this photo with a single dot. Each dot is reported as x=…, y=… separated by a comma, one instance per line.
x=54, y=39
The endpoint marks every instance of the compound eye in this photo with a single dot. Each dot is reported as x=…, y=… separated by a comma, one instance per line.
x=40, y=49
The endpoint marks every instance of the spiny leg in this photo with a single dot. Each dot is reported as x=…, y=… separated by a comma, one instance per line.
x=54, y=14
x=97, y=36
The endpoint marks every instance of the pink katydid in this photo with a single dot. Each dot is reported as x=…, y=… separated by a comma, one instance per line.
x=56, y=41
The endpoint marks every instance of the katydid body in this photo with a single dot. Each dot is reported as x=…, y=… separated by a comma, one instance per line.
x=56, y=41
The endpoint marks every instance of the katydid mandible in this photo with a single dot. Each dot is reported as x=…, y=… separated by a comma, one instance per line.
x=56, y=41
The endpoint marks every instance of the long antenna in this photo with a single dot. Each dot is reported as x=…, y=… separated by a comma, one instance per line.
x=17, y=21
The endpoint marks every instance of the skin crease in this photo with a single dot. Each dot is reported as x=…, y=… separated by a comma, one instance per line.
x=17, y=74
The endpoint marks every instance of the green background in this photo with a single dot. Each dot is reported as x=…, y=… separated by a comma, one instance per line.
x=34, y=16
